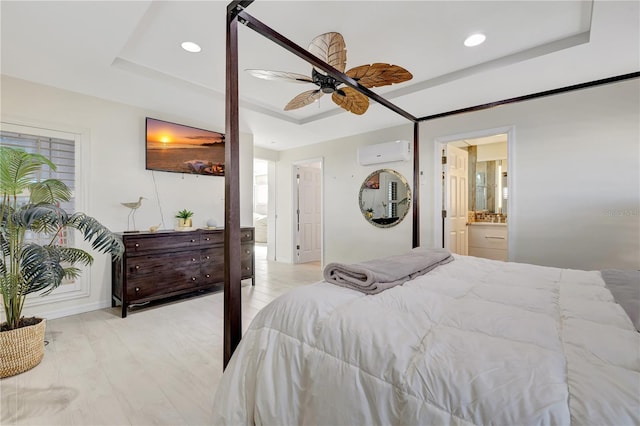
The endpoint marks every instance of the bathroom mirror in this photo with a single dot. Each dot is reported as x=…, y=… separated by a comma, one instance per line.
x=491, y=187
x=385, y=198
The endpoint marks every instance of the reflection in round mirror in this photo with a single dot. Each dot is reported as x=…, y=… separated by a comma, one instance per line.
x=385, y=198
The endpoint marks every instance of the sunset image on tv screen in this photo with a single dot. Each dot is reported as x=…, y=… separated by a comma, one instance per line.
x=174, y=147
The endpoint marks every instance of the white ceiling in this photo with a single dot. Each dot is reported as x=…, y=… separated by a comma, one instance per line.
x=129, y=51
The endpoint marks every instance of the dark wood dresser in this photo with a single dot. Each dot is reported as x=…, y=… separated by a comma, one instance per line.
x=169, y=263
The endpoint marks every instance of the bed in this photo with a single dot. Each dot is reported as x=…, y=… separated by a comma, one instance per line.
x=474, y=341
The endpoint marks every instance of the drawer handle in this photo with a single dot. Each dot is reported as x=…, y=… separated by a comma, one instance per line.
x=208, y=276
x=193, y=278
x=247, y=235
x=207, y=257
x=495, y=238
x=248, y=251
x=193, y=259
x=137, y=266
x=193, y=241
x=137, y=289
x=206, y=239
x=247, y=268
x=137, y=245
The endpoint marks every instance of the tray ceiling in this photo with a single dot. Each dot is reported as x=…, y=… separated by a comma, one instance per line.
x=130, y=52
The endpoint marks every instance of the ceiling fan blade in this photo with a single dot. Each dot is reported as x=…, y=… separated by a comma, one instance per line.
x=331, y=48
x=304, y=98
x=379, y=74
x=351, y=100
x=280, y=75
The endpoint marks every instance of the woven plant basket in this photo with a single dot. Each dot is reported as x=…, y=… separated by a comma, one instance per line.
x=21, y=349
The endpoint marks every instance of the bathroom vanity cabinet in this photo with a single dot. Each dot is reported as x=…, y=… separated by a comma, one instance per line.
x=488, y=240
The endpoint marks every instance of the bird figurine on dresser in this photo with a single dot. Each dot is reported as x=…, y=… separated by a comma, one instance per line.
x=132, y=214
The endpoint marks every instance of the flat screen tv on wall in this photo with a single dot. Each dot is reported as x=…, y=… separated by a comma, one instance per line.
x=172, y=147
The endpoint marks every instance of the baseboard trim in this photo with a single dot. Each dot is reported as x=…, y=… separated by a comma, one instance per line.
x=71, y=310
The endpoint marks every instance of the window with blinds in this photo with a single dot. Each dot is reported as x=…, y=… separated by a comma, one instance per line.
x=61, y=152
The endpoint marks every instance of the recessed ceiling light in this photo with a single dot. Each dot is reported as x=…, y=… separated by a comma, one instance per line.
x=190, y=46
x=474, y=40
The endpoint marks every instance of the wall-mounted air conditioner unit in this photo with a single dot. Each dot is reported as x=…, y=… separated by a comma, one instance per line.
x=384, y=152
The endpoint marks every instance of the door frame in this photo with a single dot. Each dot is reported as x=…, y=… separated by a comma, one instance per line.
x=439, y=143
x=294, y=204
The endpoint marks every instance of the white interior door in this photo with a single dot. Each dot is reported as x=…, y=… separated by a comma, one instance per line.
x=456, y=199
x=309, y=217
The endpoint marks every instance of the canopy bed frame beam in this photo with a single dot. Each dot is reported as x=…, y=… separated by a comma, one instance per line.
x=536, y=95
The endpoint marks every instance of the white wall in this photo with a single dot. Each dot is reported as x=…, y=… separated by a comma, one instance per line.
x=265, y=154
x=116, y=173
x=348, y=237
x=574, y=168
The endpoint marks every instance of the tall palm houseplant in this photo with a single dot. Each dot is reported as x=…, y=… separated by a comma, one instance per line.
x=26, y=266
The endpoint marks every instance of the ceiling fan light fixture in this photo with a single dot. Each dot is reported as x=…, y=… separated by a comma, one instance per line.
x=327, y=88
x=475, y=40
x=191, y=47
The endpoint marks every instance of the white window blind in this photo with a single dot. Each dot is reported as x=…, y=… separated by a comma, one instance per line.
x=61, y=152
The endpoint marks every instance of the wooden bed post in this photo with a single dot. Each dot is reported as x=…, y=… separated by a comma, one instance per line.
x=416, y=184
x=232, y=272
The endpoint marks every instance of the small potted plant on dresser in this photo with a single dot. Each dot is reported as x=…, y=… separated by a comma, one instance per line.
x=184, y=218
x=29, y=206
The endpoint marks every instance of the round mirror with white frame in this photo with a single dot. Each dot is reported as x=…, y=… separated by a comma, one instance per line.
x=385, y=198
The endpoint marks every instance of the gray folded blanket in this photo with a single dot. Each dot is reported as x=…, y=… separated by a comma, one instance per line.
x=374, y=276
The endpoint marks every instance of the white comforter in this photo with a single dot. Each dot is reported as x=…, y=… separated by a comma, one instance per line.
x=473, y=342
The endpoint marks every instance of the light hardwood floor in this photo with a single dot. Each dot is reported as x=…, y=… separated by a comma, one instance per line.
x=159, y=366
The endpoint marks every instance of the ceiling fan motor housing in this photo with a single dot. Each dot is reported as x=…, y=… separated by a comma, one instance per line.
x=327, y=83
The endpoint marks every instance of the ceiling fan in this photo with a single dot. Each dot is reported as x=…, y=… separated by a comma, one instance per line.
x=331, y=48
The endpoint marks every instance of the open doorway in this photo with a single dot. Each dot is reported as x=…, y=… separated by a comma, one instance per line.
x=264, y=208
x=475, y=181
x=307, y=214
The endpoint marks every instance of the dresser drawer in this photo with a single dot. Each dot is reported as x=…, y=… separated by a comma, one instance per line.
x=143, y=244
x=246, y=251
x=162, y=283
x=208, y=238
x=246, y=270
x=212, y=257
x=161, y=264
x=488, y=236
x=246, y=235
x=246, y=262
